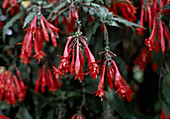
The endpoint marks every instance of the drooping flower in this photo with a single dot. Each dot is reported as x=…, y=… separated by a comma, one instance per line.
x=52, y=30
x=93, y=66
x=159, y=28
x=111, y=74
x=11, y=4
x=100, y=92
x=143, y=58
x=73, y=52
x=148, y=11
x=45, y=78
x=73, y=12
x=34, y=38
x=127, y=9
x=121, y=85
x=12, y=89
x=78, y=116
x=3, y=117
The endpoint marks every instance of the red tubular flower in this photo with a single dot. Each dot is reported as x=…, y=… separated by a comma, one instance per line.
x=77, y=64
x=73, y=12
x=11, y=3
x=78, y=116
x=34, y=39
x=23, y=86
x=151, y=41
x=160, y=29
x=45, y=78
x=70, y=26
x=38, y=53
x=162, y=37
x=38, y=81
x=110, y=73
x=2, y=85
x=148, y=13
x=155, y=12
x=80, y=75
x=73, y=63
x=163, y=116
x=3, y=117
x=45, y=32
x=121, y=85
x=50, y=27
x=143, y=58
x=93, y=66
x=11, y=90
x=73, y=45
x=127, y=9
x=141, y=30
x=150, y=16
x=50, y=81
x=64, y=66
x=100, y=91
x=18, y=88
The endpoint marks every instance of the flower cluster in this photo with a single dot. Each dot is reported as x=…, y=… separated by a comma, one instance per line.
x=11, y=88
x=11, y=3
x=111, y=74
x=148, y=11
x=73, y=50
x=127, y=9
x=153, y=11
x=73, y=12
x=161, y=31
x=34, y=38
x=45, y=78
x=78, y=116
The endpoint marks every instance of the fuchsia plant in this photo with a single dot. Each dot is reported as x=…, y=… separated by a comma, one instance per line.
x=78, y=58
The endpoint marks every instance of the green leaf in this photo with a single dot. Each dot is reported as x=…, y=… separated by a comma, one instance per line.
x=50, y=114
x=48, y=6
x=4, y=105
x=91, y=30
x=166, y=7
x=165, y=100
x=10, y=23
x=113, y=23
x=120, y=1
x=125, y=22
x=29, y=18
x=23, y=113
x=61, y=5
x=59, y=13
x=73, y=94
x=5, y=58
x=92, y=5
